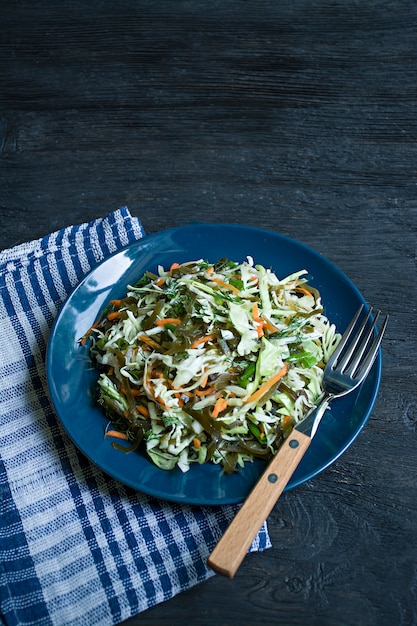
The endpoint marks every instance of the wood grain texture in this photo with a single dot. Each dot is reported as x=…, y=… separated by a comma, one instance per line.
x=297, y=116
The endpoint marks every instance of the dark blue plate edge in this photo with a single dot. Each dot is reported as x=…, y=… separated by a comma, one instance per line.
x=262, y=231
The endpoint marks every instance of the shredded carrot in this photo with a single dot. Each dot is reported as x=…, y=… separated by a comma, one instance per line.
x=196, y=442
x=180, y=400
x=142, y=410
x=113, y=316
x=260, y=323
x=220, y=282
x=173, y=267
x=204, y=392
x=255, y=313
x=260, y=330
x=116, y=434
x=202, y=340
x=160, y=282
x=89, y=331
x=162, y=403
x=151, y=387
x=110, y=371
x=116, y=303
x=270, y=327
x=180, y=390
x=135, y=392
x=210, y=270
x=149, y=341
x=204, y=382
x=168, y=320
x=267, y=385
x=221, y=405
x=261, y=431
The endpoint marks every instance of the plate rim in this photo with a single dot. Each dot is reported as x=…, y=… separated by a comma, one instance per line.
x=137, y=245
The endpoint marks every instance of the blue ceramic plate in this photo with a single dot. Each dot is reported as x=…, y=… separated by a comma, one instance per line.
x=72, y=376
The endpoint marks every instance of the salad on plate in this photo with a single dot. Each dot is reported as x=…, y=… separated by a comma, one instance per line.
x=210, y=362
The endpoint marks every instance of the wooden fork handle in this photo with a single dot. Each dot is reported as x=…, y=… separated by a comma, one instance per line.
x=234, y=544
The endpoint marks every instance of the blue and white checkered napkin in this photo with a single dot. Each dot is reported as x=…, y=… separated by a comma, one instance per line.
x=76, y=546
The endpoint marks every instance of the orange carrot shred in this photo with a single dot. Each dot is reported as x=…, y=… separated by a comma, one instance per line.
x=202, y=340
x=221, y=405
x=142, y=410
x=89, y=331
x=270, y=327
x=204, y=382
x=255, y=312
x=173, y=267
x=113, y=316
x=162, y=403
x=204, y=392
x=267, y=385
x=220, y=282
x=168, y=320
x=116, y=434
x=260, y=323
x=149, y=341
x=180, y=400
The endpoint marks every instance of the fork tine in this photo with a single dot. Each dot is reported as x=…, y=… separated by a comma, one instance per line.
x=344, y=339
x=352, y=351
x=372, y=352
x=358, y=353
x=355, y=362
x=348, y=361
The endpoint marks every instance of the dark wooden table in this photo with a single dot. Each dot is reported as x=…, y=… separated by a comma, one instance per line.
x=293, y=115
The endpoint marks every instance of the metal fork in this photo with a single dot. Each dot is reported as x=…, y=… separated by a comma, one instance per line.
x=346, y=369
